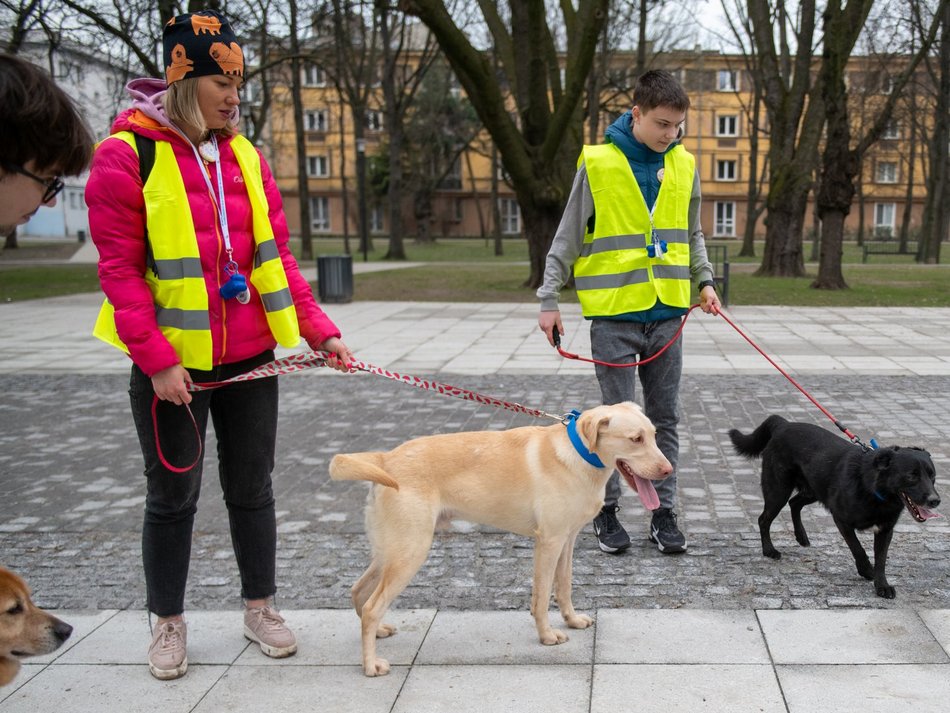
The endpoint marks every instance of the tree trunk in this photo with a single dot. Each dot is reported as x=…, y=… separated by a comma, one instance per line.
x=937, y=207
x=829, y=260
x=782, y=256
x=539, y=231
x=303, y=187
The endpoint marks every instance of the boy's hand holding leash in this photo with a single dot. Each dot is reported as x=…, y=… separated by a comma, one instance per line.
x=550, y=322
x=709, y=300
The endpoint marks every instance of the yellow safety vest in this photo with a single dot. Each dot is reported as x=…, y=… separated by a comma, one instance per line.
x=614, y=274
x=174, y=274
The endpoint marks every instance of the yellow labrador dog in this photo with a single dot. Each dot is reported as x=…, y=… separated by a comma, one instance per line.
x=533, y=481
x=25, y=629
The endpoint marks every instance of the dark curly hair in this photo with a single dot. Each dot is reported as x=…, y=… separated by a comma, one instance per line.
x=39, y=122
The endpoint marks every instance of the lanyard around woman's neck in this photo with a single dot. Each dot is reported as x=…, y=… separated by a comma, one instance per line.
x=210, y=152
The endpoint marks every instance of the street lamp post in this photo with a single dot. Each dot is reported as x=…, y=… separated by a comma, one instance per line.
x=361, y=195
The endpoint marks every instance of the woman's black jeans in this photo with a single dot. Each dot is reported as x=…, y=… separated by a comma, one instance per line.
x=244, y=415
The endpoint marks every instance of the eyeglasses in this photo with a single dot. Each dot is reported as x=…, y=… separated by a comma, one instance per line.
x=52, y=185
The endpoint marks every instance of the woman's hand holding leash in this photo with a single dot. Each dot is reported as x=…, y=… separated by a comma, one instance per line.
x=171, y=384
x=340, y=355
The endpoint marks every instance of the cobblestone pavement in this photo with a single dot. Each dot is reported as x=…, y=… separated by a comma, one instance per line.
x=71, y=509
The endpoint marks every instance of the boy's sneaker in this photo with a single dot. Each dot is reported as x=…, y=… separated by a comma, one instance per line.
x=265, y=626
x=166, y=654
x=611, y=536
x=665, y=533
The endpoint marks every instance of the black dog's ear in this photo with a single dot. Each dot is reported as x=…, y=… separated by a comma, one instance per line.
x=882, y=458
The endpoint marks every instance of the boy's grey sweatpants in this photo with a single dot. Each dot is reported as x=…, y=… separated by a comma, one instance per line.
x=625, y=342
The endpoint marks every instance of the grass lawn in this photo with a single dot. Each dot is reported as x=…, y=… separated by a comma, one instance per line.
x=469, y=271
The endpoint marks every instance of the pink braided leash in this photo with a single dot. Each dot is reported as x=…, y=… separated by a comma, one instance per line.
x=300, y=362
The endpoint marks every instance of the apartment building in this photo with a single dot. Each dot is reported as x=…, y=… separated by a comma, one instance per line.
x=718, y=131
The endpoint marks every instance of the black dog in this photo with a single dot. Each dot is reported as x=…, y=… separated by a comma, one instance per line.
x=861, y=489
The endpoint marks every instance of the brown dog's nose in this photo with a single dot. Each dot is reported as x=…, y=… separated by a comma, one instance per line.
x=62, y=630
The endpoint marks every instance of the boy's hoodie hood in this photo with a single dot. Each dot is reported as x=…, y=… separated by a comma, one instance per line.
x=620, y=133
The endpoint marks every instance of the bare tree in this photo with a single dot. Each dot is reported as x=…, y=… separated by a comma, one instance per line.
x=842, y=160
x=783, y=71
x=406, y=58
x=936, y=223
x=540, y=143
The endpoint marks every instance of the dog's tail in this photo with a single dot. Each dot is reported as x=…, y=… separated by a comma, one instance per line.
x=361, y=466
x=752, y=445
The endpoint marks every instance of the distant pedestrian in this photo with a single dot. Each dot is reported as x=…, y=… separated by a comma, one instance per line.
x=631, y=233
x=201, y=286
x=43, y=139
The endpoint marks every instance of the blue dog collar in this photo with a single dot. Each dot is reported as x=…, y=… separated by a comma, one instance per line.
x=571, y=423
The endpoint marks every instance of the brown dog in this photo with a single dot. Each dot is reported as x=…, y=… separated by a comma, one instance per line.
x=25, y=629
x=531, y=481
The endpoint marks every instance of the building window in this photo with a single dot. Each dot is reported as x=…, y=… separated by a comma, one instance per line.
x=727, y=125
x=318, y=166
x=893, y=130
x=376, y=219
x=510, y=216
x=374, y=121
x=727, y=80
x=459, y=210
x=316, y=120
x=314, y=76
x=725, y=219
x=251, y=92
x=884, y=219
x=320, y=214
x=726, y=170
x=452, y=180
x=76, y=201
x=886, y=172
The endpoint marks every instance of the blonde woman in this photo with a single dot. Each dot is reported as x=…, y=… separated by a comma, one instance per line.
x=200, y=286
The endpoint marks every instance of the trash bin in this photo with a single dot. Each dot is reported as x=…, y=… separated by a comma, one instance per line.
x=335, y=278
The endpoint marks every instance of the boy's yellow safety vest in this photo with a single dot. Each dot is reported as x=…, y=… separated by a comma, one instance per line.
x=614, y=273
x=174, y=274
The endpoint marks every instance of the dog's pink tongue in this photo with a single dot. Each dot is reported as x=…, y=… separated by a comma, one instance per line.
x=647, y=493
x=928, y=514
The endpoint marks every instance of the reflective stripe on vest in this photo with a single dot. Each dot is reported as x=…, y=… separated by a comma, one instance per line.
x=613, y=273
x=174, y=273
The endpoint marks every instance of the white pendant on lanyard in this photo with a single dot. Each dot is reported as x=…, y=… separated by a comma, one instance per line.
x=236, y=285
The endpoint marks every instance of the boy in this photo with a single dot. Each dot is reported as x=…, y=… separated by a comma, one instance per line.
x=634, y=249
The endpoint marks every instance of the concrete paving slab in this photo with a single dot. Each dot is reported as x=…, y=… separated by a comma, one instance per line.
x=214, y=637
x=327, y=689
x=683, y=636
x=895, y=636
x=686, y=689
x=332, y=638
x=938, y=621
x=919, y=688
x=95, y=689
x=477, y=689
x=458, y=638
x=84, y=622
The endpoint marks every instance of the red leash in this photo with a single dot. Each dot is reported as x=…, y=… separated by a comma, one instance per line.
x=568, y=355
x=854, y=439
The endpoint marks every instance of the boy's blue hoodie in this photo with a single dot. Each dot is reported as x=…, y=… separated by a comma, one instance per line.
x=644, y=161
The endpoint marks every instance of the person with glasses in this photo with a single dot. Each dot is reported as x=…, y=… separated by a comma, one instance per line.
x=44, y=139
x=632, y=237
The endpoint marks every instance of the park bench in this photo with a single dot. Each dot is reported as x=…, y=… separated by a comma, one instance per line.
x=719, y=257
x=886, y=245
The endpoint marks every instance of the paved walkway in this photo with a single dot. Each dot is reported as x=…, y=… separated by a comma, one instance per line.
x=719, y=629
